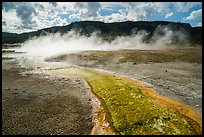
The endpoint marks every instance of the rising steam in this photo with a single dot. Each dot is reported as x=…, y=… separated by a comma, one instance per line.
x=56, y=44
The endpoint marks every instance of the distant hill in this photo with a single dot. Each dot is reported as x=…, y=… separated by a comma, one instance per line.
x=109, y=31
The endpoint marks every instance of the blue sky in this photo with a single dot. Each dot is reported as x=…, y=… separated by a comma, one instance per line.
x=18, y=17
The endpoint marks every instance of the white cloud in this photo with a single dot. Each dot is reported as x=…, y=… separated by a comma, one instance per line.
x=74, y=16
x=195, y=15
x=199, y=24
x=58, y=21
x=48, y=22
x=44, y=14
x=93, y=8
x=169, y=14
x=144, y=10
x=87, y=9
x=110, y=5
x=162, y=6
x=116, y=17
x=11, y=21
x=10, y=16
x=185, y=6
x=133, y=11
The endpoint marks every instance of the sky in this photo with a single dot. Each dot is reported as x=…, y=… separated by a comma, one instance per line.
x=19, y=17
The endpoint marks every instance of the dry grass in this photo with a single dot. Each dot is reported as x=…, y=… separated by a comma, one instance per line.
x=187, y=54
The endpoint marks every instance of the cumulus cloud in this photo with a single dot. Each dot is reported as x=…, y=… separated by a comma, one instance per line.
x=199, y=24
x=26, y=13
x=24, y=17
x=185, y=6
x=8, y=6
x=3, y=23
x=66, y=7
x=93, y=8
x=115, y=17
x=169, y=14
x=37, y=15
x=11, y=21
x=195, y=15
x=53, y=3
x=136, y=11
x=17, y=16
x=86, y=10
x=74, y=16
x=162, y=6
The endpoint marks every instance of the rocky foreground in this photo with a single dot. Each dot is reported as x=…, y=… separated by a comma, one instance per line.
x=40, y=104
x=36, y=105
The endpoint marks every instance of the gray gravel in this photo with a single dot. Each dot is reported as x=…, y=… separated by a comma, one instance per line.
x=33, y=104
x=180, y=81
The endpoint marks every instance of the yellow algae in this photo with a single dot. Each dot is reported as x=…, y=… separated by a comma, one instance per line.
x=133, y=109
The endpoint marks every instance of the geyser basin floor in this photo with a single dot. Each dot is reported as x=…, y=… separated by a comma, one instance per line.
x=174, y=72
x=33, y=105
x=135, y=109
x=126, y=68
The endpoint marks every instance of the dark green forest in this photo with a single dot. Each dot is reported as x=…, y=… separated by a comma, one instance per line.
x=109, y=31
